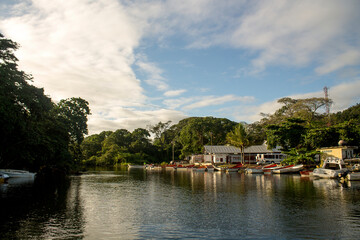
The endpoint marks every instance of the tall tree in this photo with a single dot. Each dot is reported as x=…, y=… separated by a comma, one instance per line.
x=238, y=138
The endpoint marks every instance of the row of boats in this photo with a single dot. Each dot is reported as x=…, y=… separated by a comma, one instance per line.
x=331, y=168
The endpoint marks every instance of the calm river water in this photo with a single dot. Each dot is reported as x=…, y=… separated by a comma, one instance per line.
x=139, y=204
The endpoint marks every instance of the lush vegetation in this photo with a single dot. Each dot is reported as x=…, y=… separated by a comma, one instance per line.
x=38, y=133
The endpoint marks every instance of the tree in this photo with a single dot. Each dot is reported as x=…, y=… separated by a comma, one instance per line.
x=289, y=134
x=73, y=112
x=238, y=138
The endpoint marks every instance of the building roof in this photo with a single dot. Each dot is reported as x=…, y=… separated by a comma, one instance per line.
x=234, y=150
x=222, y=149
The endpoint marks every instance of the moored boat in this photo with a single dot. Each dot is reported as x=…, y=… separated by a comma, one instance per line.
x=3, y=177
x=259, y=169
x=210, y=168
x=199, y=169
x=288, y=169
x=331, y=168
x=235, y=168
x=306, y=173
x=14, y=173
x=131, y=166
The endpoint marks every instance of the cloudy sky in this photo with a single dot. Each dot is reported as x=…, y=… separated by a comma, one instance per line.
x=139, y=62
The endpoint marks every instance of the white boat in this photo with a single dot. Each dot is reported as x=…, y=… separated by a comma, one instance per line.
x=331, y=168
x=130, y=166
x=353, y=176
x=220, y=168
x=259, y=170
x=152, y=167
x=291, y=169
x=3, y=177
x=14, y=173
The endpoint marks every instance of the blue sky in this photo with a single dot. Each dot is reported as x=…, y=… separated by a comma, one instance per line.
x=144, y=61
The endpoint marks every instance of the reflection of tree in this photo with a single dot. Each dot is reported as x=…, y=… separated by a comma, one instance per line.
x=40, y=214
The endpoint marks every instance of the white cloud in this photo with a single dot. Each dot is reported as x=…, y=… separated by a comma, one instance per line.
x=174, y=93
x=348, y=58
x=154, y=74
x=213, y=101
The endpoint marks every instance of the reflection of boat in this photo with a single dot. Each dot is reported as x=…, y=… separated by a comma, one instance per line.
x=259, y=169
x=130, y=166
x=13, y=173
x=288, y=169
x=331, y=168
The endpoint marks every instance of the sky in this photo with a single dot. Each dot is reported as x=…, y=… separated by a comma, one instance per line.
x=139, y=62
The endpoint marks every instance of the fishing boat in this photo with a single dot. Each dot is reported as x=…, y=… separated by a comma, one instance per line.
x=331, y=168
x=14, y=173
x=288, y=169
x=259, y=169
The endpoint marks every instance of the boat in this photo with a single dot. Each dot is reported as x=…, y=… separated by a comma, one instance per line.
x=353, y=175
x=281, y=169
x=259, y=169
x=234, y=168
x=181, y=168
x=306, y=173
x=219, y=168
x=152, y=167
x=3, y=177
x=331, y=168
x=170, y=167
x=210, y=168
x=199, y=169
x=14, y=173
x=288, y=169
x=130, y=166
x=270, y=169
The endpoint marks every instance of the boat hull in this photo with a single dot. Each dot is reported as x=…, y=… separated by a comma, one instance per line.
x=291, y=169
x=353, y=176
x=13, y=173
x=327, y=173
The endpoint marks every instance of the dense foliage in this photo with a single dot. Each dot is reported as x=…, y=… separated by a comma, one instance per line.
x=35, y=132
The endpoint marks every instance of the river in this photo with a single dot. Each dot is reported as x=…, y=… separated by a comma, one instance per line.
x=139, y=204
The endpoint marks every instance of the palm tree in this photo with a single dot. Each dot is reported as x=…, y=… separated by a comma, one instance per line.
x=238, y=138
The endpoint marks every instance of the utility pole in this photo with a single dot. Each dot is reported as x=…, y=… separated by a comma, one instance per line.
x=327, y=105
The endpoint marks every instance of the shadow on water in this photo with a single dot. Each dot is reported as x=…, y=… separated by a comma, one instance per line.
x=35, y=211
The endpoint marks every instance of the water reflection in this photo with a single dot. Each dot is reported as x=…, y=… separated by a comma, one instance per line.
x=29, y=212
x=139, y=204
